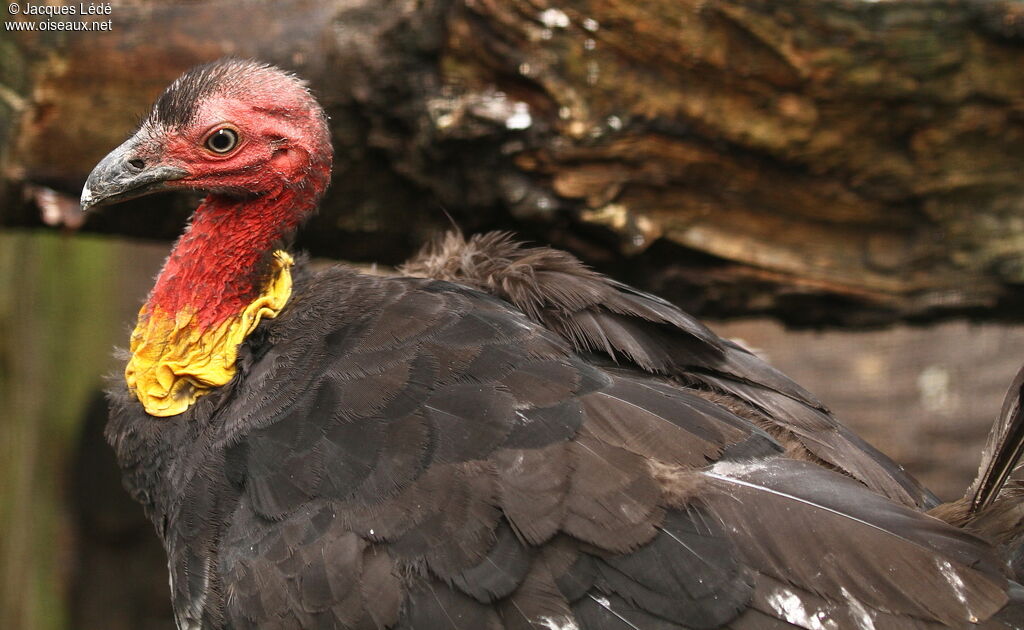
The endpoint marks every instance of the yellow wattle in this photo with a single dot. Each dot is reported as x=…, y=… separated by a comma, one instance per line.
x=173, y=362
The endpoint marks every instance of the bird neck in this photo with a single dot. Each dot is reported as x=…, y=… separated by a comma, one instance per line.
x=223, y=260
x=224, y=275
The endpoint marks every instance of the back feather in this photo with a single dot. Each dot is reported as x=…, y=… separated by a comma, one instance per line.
x=598, y=314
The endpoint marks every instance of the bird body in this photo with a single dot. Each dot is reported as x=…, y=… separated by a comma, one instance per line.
x=508, y=440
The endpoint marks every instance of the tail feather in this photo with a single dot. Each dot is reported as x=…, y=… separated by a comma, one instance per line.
x=1002, y=453
x=994, y=503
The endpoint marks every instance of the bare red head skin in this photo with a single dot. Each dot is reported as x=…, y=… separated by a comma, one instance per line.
x=257, y=142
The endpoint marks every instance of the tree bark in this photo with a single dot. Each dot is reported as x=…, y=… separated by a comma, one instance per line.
x=838, y=161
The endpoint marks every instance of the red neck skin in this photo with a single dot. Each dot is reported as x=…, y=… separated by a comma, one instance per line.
x=220, y=264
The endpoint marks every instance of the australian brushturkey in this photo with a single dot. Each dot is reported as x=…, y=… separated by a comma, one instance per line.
x=508, y=440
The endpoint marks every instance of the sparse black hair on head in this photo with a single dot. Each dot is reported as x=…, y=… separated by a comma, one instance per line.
x=179, y=104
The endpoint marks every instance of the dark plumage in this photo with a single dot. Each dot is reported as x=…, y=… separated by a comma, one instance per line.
x=597, y=314
x=459, y=448
x=514, y=441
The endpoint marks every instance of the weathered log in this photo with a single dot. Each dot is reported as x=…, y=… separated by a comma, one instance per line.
x=824, y=161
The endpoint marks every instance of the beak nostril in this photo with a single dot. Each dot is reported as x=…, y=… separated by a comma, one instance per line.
x=137, y=164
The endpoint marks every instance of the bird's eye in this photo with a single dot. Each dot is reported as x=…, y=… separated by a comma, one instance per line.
x=222, y=141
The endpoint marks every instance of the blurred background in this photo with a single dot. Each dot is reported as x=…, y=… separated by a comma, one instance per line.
x=836, y=184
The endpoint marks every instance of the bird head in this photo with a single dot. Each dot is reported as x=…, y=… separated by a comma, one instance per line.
x=230, y=128
x=255, y=140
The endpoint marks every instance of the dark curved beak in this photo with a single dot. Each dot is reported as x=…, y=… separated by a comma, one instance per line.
x=127, y=172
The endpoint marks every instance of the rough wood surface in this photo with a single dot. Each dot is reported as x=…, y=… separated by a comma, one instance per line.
x=825, y=161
